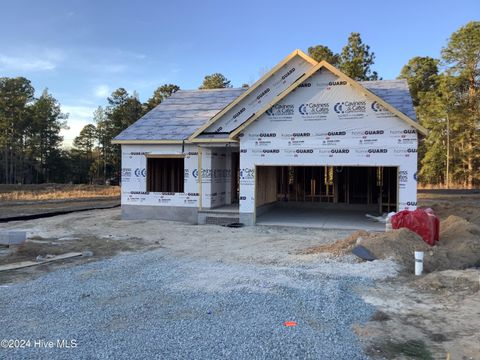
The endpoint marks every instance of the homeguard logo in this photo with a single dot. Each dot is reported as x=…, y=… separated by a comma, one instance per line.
x=271, y=151
x=377, y=151
x=349, y=107
x=279, y=110
x=336, y=133
x=307, y=85
x=300, y=134
x=340, y=151
x=411, y=203
x=126, y=172
x=288, y=73
x=374, y=132
x=263, y=93
x=377, y=107
x=267, y=135
x=238, y=113
x=407, y=152
x=403, y=132
x=313, y=108
x=304, y=151
x=337, y=83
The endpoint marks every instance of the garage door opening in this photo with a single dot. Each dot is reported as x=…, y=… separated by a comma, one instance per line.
x=320, y=192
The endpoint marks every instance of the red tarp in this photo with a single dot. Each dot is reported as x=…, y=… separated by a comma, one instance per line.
x=421, y=221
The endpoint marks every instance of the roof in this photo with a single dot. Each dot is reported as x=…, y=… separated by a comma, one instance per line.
x=394, y=92
x=186, y=114
x=178, y=116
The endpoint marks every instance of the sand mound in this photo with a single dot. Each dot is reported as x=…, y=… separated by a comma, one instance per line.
x=339, y=247
x=458, y=248
x=398, y=244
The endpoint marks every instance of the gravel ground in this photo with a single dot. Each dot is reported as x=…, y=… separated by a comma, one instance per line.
x=160, y=305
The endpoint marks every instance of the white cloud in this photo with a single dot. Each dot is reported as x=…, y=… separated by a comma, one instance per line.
x=25, y=64
x=101, y=91
x=32, y=60
x=79, y=116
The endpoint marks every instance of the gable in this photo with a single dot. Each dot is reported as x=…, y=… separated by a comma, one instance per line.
x=341, y=77
x=261, y=93
x=326, y=110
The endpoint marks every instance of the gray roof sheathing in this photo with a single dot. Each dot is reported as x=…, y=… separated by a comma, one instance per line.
x=394, y=92
x=180, y=115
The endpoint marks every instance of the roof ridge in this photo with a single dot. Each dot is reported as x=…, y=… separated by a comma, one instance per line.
x=206, y=90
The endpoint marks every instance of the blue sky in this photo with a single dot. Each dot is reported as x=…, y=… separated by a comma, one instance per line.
x=84, y=49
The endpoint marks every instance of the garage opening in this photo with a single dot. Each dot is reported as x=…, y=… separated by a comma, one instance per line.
x=324, y=191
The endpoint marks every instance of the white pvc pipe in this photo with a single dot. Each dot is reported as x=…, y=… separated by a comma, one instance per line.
x=418, y=262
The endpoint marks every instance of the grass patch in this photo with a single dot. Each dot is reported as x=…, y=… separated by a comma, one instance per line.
x=55, y=192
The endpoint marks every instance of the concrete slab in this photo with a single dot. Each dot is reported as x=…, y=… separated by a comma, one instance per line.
x=319, y=218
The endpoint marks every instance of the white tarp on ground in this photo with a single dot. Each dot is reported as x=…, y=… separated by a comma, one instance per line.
x=325, y=121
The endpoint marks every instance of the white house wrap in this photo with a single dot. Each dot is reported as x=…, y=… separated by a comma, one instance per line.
x=303, y=135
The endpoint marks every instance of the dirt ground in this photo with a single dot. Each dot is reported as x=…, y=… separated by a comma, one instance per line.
x=424, y=317
x=435, y=316
x=464, y=203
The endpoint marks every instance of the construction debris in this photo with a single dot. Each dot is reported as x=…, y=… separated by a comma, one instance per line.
x=458, y=248
x=363, y=253
x=24, y=264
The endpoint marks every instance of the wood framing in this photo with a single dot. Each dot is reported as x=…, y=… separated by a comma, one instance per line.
x=251, y=89
x=205, y=141
x=279, y=97
x=350, y=81
x=164, y=156
x=146, y=142
x=199, y=177
x=370, y=94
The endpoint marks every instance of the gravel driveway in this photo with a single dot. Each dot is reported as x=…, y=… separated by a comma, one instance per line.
x=157, y=305
x=206, y=292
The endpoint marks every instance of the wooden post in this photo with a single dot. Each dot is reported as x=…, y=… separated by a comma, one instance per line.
x=200, y=185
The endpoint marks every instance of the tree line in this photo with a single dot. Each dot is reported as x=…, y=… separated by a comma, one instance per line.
x=445, y=94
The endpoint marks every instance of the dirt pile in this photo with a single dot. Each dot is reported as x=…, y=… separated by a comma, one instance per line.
x=460, y=240
x=458, y=248
x=398, y=244
x=454, y=281
x=339, y=247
